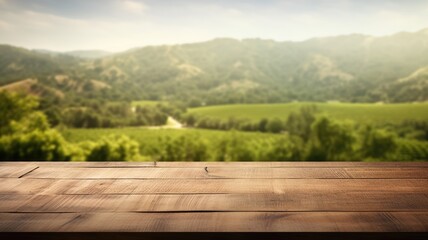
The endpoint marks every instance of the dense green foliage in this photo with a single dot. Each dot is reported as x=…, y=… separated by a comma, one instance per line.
x=344, y=142
x=378, y=143
x=330, y=140
x=114, y=148
x=25, y=135
x=116, y=114
x=34, y=146
x=13, y=108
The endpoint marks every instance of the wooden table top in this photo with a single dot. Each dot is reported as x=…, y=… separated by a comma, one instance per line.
x=213, y=197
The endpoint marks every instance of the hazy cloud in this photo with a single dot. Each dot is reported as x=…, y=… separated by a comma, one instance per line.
x=4, y=25
x=133, y=6
x=123, y=24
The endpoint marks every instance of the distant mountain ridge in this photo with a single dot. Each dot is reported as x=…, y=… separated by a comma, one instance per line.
x=85, y=54
x=354, y=68
x=89, y=54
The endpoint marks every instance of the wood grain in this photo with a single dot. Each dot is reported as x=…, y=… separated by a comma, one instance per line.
x=225, y=197
x=217, y=186
x=216, y=222
x=293, y=164
x=233, y=173
x=295, y=202
x=79, y=164
x=222, y=164
x=16, y=171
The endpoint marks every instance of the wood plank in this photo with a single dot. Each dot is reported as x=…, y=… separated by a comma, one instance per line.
x=386, y=173
x=80, y=164
x=223, y=164
x=16, y=171
x=218, y=186
x=294, y=164
x=293, y=201
x=255, y=197
x=236, y=173
x=216, y=222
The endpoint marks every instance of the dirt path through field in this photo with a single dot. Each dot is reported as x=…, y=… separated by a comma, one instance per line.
x=171, y=123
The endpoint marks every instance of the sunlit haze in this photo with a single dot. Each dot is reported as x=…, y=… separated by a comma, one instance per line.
x=117, y=25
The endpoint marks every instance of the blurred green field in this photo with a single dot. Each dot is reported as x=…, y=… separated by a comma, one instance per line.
x=151, y=139
x=379, y=113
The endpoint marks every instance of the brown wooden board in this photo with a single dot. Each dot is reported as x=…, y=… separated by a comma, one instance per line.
x=213, y=197
x=233, y=173
x=216, y=222
x=339, y=164
x=216, y=186
x=293, y=201
x=80, y=164
x=16, y=171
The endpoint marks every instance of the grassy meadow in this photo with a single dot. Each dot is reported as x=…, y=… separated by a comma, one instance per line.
x=151, y=141
x=149, y=136
x=358, y=112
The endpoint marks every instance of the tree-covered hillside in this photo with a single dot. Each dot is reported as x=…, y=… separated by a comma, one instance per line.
x=352, y=68
x=17, y=64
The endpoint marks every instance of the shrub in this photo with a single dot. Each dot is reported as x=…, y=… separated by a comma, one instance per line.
x=286, y=149
x=114, y=148
x=235, y=148
x=13, y=108
x=331, y=140
x=183, y=148
x=410, y=150
x=35, y=146
x=275, y=125
x=378, y=143
x=300, y=123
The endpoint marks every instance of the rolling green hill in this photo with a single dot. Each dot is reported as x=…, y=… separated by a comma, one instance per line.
x=378, y=113
x=352, y=68
x=413, y=87
x=347, y=68
x=17, y=64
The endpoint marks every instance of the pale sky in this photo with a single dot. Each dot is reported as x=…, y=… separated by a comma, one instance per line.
x=117, y=25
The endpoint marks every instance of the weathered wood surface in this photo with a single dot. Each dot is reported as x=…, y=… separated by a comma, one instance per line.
x=213, y=197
